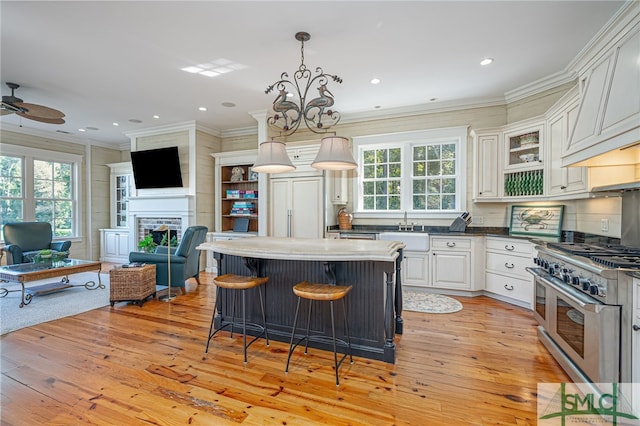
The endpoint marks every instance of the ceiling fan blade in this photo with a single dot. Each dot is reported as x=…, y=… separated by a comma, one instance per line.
x=41, y=119
x=40, y=111
x=4, y=111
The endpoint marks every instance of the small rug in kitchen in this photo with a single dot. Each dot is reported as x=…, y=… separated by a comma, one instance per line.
x=71, y=301
x=429, y=302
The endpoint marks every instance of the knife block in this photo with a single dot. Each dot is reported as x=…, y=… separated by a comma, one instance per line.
x=458, y=225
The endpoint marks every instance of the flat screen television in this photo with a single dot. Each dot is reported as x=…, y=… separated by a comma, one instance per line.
x=156, y=168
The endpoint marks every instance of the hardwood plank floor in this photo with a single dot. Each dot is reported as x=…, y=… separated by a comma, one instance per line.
x=129, y=365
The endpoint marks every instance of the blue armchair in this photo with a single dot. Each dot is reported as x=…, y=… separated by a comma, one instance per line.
x=25, y=239
x=185, y=259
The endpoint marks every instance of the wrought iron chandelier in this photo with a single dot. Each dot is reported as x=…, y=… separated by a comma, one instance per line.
x=291, y=107
x=289, y=113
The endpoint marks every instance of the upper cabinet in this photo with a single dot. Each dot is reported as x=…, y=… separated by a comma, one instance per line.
x=608, y=117
x=486, y=164
x=121, y=188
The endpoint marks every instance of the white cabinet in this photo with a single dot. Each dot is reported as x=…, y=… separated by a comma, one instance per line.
x=505, y=275
x=455, y=263
x=296, y=207
x=609, y=112
x=114, y=245
x=635, y=347
x=121, y=187
x=415, y=266
x=523, y=155
x=563, y=181
x=487, y=165
x=336, y=182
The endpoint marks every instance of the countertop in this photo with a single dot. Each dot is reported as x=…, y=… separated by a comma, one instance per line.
x=324, y=249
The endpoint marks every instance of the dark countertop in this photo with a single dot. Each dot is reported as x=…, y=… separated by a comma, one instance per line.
x=437, y=230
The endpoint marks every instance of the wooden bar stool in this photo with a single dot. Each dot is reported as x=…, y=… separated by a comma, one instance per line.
x=243, y=283
x=321, y=292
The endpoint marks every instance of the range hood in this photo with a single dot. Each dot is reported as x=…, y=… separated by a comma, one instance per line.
x=619, y=187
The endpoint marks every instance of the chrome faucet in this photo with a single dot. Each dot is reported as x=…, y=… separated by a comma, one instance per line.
x=404, y=226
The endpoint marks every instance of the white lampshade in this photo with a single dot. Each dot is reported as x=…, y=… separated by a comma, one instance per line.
x=334, y=154
x=273, y=158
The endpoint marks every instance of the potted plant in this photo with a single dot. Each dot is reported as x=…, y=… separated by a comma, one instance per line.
x=147, y=244
x=174, y=241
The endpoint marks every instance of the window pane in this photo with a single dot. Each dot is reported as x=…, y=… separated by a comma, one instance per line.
x=368, y=203
x=369, y=157
x=433, y=152
x=419, y=153
x=419, y=186
x=419, y=202
x=449, y=151
x=381, y=188
x=368, y=188
x=395, y=155
x=381, y=203
x=433, y=202
x=394, y=203
x=449, y=186
x=44, y=211
x=449, y=167
x=395, y=170
x=369, y=172
x=394, y=187
x=381, y=156
x=433, y=168
x=433, y=186
x=418, y=169
x=448, y=202
x=11, y=210
x=381, y=172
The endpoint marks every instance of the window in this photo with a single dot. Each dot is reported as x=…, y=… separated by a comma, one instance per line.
x=41, y=186
x=417, y=172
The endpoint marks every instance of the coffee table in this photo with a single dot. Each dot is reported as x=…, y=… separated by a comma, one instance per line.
x=27, y=272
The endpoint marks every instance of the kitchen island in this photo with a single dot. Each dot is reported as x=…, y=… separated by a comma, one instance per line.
x=372, y=267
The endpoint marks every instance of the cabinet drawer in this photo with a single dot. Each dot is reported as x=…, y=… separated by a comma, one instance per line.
x=509, y=265
x=443, y=243
x=509, y=245
x=510, y=287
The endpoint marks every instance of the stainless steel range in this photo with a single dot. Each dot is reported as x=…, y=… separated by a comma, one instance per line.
x=583, y=305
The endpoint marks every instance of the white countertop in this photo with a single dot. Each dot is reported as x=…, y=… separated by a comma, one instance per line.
x=307, y=249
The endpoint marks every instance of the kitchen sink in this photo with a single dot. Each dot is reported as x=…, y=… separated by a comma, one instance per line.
x=414, y=241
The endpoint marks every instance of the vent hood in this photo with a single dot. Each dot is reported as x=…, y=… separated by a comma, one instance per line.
x=608, y=117
x=620, y=187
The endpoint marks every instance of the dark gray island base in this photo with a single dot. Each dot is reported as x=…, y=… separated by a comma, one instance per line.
x=374, y=305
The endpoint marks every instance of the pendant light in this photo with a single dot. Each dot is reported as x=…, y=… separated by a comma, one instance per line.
x=273, y=158
x=334, y=154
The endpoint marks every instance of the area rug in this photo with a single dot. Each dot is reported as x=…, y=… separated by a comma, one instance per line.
x=429, y=302
x=70, y=301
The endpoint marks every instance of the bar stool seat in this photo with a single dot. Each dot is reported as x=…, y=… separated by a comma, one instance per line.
x=242, y=283
x=321, y=292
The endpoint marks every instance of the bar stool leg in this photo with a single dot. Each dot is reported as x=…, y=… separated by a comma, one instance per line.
x=293, y=334
x=306, y=343
x=244, y=325
x=213, y=317
x=346, y=326
x=233, y=313
x=264, y=318
x=335, y=352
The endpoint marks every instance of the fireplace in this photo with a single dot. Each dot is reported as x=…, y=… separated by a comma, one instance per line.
x=148, y=213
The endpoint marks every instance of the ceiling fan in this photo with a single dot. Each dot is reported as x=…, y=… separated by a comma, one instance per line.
x=11, y=104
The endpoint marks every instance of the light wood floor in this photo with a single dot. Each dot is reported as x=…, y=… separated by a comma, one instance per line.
x=129, y=365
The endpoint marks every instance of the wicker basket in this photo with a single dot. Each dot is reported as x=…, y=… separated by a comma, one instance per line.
x=132, y=284
x=344, y=219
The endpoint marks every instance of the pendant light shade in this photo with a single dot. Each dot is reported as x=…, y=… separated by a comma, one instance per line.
x=334, y=154
x=273, y=158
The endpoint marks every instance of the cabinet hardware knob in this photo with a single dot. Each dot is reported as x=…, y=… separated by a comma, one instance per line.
x=480, y=193
x=636, y=327
x=508, y=265
x=508, y=287
x=510, y=248
x=450, y=244
x=563, y=187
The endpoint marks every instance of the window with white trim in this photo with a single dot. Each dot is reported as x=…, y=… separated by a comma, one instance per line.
x=40, y=186
x=417, y=172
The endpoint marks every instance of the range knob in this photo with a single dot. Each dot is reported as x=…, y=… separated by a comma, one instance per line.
x=593, y=289
x=575, y=280
x=567, y=278
x=553, y=268
x=586, y=284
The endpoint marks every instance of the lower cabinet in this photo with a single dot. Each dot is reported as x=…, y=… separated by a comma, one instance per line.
x=114, y=245
x=456, y=263
x=505, y=274
x=414, y=268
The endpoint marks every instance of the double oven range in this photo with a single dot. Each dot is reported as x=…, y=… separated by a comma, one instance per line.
x=583, y=305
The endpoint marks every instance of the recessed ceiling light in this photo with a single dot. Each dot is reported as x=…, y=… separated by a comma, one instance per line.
x=82, y=130
x=193, y=70
x=375, y=81
x=228, y=104
x=116, y=124
x=135, y=120
x=202, y=108
x=156, y=116
x=486, y=61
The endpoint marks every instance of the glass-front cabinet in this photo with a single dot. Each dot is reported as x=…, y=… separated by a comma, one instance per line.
x=523, y=165
x=121, y=189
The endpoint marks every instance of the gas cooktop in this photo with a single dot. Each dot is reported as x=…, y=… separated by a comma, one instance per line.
x=610, y=255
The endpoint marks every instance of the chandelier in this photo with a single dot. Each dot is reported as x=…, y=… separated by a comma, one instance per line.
x=291, y=109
